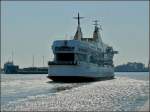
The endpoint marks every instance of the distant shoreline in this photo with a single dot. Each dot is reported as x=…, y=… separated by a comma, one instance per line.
x=47, y=73
x=131, y=71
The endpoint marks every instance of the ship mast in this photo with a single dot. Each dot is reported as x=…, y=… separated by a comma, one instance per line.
x=12, y=56
x=96, y=33
x=78, y=34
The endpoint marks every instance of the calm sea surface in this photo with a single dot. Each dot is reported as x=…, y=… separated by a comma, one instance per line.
x=134, y=75
x=20, y=86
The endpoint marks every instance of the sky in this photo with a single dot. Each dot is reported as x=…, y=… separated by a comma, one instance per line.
x=28, y=28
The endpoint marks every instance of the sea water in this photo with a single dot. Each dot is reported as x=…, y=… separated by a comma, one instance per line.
x=131, y=91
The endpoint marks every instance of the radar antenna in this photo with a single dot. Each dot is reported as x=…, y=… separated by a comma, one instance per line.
x=78, y=18
x=100, y=27
x=96, y=23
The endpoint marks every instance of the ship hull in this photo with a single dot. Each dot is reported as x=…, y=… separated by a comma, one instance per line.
x=77, y=78
x=79, y=72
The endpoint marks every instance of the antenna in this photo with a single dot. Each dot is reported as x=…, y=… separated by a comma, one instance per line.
x=12, y=56
x=66, y=36
x=43, y=61
x=33, y=61
x=96, y=22
x=78, y=18
x=100, y=27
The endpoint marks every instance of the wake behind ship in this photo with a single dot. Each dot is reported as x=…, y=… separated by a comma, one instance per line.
x=81, y=58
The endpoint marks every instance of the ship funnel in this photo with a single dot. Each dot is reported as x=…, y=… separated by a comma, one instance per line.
x=96, y=33
x=78, y=34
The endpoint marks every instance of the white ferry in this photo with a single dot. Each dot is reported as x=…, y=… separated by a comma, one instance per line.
x=81, y=58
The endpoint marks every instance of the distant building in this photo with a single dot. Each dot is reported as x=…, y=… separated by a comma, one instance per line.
x=131, y=67
x=135, y=65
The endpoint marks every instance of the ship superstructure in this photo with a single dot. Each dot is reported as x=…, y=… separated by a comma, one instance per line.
x=81, y=58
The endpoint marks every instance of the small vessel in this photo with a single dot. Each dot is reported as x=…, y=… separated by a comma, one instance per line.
x=81, y=58
x=10, y=68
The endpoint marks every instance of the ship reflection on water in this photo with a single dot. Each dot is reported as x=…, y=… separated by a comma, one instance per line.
x=70, y=84
x=62, y=86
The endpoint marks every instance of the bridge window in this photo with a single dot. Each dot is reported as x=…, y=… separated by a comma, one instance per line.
x=65, y=56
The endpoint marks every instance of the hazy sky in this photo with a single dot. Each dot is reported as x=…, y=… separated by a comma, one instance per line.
x=29, y=27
